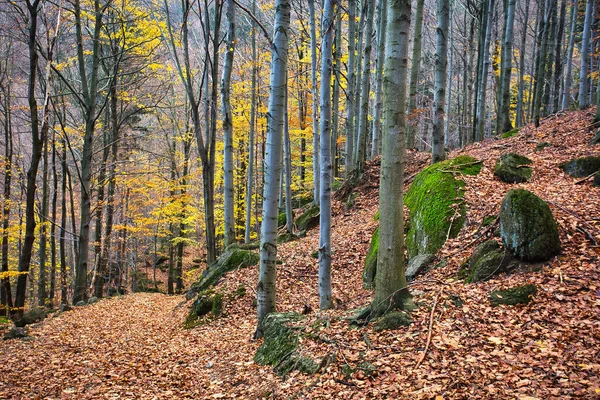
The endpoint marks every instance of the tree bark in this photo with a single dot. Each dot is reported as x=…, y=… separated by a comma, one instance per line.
x=503, y=121
x=414, y=75
x=566, y=98
x=585, y=55
x=522, y=52
x=381, y=24
x=250, y=172
x=350, y=95
x=441, y=70
x=315, y=100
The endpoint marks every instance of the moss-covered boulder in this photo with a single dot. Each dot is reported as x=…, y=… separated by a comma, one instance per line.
x=392, y=320
x=596, y=181
x=233, y=258
x=513, y=296
x=487, y=260
x=309, y=218
x=527, y=226
x=370, y=267
x=15, y=332
x=596, y=138
x=513, y=168
x=207, y=302
x=436, y=205
x=581, y=167
x=281, y=334
x=286, y=237
x=509, y=134
x=30, y=317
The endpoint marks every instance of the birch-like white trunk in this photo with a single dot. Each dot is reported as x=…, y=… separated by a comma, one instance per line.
x=390, y=280
x=350, y=86
x=268, y=242
x=585, y=55
x=441, y=69
x=287, y=163
x=328, y=27
x=229, y=216
x=566, y=98
x=381, y=25
x=414, y=74
x=479, y=117
x=504, y=123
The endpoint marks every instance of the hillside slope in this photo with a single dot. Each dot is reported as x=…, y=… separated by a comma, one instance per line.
x=134, y=346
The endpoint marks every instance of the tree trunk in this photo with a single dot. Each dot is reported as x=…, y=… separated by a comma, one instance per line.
x=483, y=80
x=390, y=281
x=53, y=222
x=441, y=70
x=325, y=299
x=63, y=223
x=449, y=75
x=558, y=61
x=228, y=127
x=414, y=75
x=268, y=242
x=335, y=118
x=504, y=124
x=566, y=98
x=287, y=159
x=315, y=100
x=585, y=55
x=6, y=300
x=541, y=68
x=43, y=242
x=381, y=24
x=350, y=96
x=522, y=52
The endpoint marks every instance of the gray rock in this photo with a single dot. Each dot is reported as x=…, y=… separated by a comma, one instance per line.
x=92, y=300
x=81, y=303
x=16, y=333
x=581, y=167
x=32, y=316
x=527, y=227
x=512, y=168
x=418, y=265
x=64, y=308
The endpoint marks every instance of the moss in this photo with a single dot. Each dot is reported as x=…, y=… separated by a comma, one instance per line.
x=217, y=304
x=487, y=266
x=367, y=368
x=286, y=237
x=596, y=182
x=240, y=291
x=527, y=226
x=249, y=246
x=512, y=168
x=4, y=320
x=436, y=206
x=371, y=261
x=510, y=133
x=314, y=254
x=489, y=220
x=233, y=258
x=392, y=321
x=336, y=184
x=280, y=343
x=542, y=145
x=513, y=296
x=207, y=302
x=309, y=218
x=581, y=167
x=281, y=219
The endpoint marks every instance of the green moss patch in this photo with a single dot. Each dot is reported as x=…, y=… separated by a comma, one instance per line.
x=309, y=218
x=207, y=302
x=513, y=168
x=392, y=321
x=487, y=260
x=370, y=267
x=511, y=133
x=436, y=205
x=281, y=334
x=513, y=296
x=233, y=258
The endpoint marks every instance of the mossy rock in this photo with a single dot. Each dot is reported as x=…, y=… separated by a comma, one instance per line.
x=233, y=258
x=436, y=205
x=249, y=246
x=596, y=181
x=511, y=133
x=542, y=145
x=370, y=267
x=280, y=343
x=92, y=300
x=527, y=227
x=581, y=167
x=286, y=237
x=309, y=218
x=207, y=302
x=487, y=260
x=418, y=265
x=513, y=296
x=596, y=138
x=281, y=219
x=30, y=317
x=392, y=321
x=512, y=168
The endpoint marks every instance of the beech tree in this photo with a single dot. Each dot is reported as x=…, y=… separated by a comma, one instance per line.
x=441, y=66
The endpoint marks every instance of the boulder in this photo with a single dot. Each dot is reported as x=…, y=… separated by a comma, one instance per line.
x=512, y=168
x=581, y=167
x=527, y=227
x=513, y=296
x=371, y=261
x=436, y=205
x=80, y=303
x=92, y=300
x=233, y=258
x=392, y=321
x=418, y=265
x=487, y=260
x=207, y=302
x=596, y=138
x=281, y=332
x=64, y=308
x=309, y=218
x=16, y=333
x=30, y=317
x=596, y=182
x=509, y=134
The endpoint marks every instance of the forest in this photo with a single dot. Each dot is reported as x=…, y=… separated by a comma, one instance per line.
x=300, y=199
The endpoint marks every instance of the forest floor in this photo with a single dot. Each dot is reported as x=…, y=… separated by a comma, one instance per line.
x=135, y=347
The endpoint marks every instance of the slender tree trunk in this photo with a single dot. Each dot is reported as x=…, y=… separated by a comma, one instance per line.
x=250, y=172
x=315, y=100
x=585, y=55
x=228, y=126
x=414, y=76
x=522, y=52
x=449, y=76
x=287, y=159
x=350, y=96
x=268, y=243
x=381, y=24
x=441, y=70
x=43, y=243
x=53, y=222
x=6, y=300
x=335, y=118
x=325, y=300
x=358, y=80
x=541, y=68
x=63, y=224
x=483, y=80
x=558, y=59
x=566, y=98
x=99, y=273
x=504, y=123
x=390, y=281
